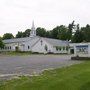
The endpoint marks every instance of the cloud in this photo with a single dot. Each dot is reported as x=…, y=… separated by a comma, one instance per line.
x=17, y=15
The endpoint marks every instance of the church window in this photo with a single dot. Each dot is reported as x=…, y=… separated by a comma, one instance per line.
x=10, y=47
x=63, y=48
x=28, y=47
x=46, y=47
x=5, y=47
x=57, y=48
x=60, y=48
x=67, y=48
x=41, y=42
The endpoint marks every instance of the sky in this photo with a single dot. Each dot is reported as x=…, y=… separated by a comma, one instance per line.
x=17, y=15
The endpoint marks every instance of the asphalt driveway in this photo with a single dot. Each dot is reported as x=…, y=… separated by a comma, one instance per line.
x=24, y=65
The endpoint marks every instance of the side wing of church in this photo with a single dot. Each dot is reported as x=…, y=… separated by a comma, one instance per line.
x=36, y=44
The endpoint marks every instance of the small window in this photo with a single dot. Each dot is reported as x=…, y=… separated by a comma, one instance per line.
x=5, y=47
x=60, y=48
x=67, y=48
x=46, y=47
x=41, y=42
x=63, y=48
x=28, y=47
x=56, y=48
x=10, y=47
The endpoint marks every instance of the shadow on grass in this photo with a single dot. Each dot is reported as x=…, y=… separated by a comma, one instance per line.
x=86, y=86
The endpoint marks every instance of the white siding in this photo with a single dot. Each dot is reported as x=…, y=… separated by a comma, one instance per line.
x=60, y=51
x=38, y=47
x=41, y=48
x=35, y=45
x=81, y=44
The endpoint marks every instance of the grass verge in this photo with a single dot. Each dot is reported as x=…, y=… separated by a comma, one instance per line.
x=11, y=53
x=75, y=77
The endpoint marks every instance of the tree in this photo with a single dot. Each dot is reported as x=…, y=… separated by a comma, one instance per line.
x=1, y=43
x=41, y=32
x=48, y=34
x=8, y=36
x=19, y=35
x=78, y=36
x=62, y=34
x=54, y=32
x=70, y=30
x=26, y=33
x=86, y=33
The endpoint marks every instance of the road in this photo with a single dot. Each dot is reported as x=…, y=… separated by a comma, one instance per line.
x=23, y=65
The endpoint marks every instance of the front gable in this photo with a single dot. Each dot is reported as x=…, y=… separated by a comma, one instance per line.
x=42, y=46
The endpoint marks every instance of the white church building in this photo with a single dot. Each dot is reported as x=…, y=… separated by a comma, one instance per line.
x=35, y=43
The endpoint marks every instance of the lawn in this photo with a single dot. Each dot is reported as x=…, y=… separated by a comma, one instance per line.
x=75, y=77
x=15, y=53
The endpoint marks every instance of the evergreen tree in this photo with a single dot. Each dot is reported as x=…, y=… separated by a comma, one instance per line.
x=86, y=33
x=78, y=36
x=70, y=30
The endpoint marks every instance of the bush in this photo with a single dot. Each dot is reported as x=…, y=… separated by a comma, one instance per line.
x=80, y=58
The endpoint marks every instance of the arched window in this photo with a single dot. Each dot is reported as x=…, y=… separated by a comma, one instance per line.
x=41, y=42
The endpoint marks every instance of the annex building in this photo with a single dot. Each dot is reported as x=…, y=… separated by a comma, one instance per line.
x=81, y=49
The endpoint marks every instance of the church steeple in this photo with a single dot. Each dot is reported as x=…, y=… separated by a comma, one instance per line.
x=33, y=30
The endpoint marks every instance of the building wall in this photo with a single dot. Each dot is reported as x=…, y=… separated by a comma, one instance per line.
x=89, y=49
x=61, y=51
x=12, y=46
x=81, y=49
x=40, y=47
x=30, y=44
x=35, y=45
x=23, y=46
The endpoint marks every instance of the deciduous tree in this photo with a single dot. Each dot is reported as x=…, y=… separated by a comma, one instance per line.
x=8, y=36
x=41, y=32
x=1, y=43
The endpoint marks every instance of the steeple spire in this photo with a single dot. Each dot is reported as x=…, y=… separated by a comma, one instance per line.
x=33, y=30
x=33, y=27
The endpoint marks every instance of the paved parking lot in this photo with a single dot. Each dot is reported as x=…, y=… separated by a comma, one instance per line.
x=10, y=65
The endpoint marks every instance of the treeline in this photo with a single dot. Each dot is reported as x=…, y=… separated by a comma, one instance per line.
x=72, y=33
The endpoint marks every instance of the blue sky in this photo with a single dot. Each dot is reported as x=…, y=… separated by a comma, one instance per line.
x=17, y=15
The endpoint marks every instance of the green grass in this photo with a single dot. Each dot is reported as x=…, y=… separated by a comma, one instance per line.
x=75, y=77
x=11, y=53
